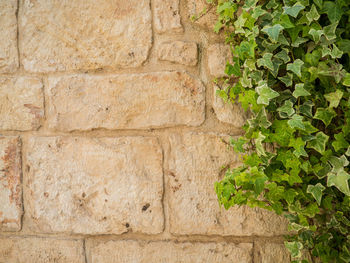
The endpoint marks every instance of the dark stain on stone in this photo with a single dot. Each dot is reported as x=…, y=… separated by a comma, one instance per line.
x=145, y=207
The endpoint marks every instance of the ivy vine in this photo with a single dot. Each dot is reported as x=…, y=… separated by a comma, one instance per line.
x=290, y=69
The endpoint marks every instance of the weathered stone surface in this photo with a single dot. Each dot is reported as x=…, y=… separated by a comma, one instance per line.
x=228, y=112
x=218, y=56
x=271, y=252
x=21, y=103
x=94, y=185
x=41, y=250
x=10, y=184
x=167, y=16
x=195, y=162
x=84, y=34
x=167, y=252
x=206, y=19
x=185, y=53
x=8, y=36
x=128, y=101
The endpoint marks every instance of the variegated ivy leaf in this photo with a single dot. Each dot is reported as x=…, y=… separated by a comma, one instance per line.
x=283, y=55
x=265, y=94
x=273, y=31
x=319, y=143
x=287, y=79
x=266, y=61
x=295, y=67
x=287, y=109
x=293, y=10
x=296, y=122
x=316, y=34
x=334, y=98
x=339, y=180
x=260, y=150
x=313, y=14
x=326, y=115
x=300, y=91
x=316, y=191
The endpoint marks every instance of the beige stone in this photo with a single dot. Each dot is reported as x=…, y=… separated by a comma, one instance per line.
x=218, y=56
x=196, y=161
x=21, y=103
x=40, y=250
x=167, y=252
x=205, y=13
x=10, y=184
x=8, y=36
x=228, y=112
x=127, y=101
x=84, y=34
x=185, y=53
x=167, y=16
x=94, y=185
x=271, y=252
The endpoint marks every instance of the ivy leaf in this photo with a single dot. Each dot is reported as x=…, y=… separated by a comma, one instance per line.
x=329, y=31
x=265, y=94
x=287, y=79
x=283, y=55
x=287, y=109
x=313, y=14
x=299, y=41
x=296, y=122
x=238, y=144
x=334, y=98
x=260, y=150
x=293, y=10
x=294, y=248
x=316, y=34
x=300, y=91
x=257, y=12
x=316, y=191
x=333, y=11
x=295, y=67
x=266, y=61
x=298, y=144
x=325, y=115
x=234, y=69
x=285, y=22
x=306, y=108
x=273, y=31
x=249, y=4
x=339, y=180
x=346, y=80
x=319, y=143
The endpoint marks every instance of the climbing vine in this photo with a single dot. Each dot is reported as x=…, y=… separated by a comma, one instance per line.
x=290, y=70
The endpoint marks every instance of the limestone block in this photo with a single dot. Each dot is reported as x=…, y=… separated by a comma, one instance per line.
x=228, y=112
x=205, y=13
x=21, y=103
x=167, y=16
x=8, y=36
x=10, y=184
x=40, y=250
x=167, y=252
x=218, y=56
x=196, y=162
x=94, y=185
x=271, y=252
x=127, y=101
x=84, y=34
x=185, y=53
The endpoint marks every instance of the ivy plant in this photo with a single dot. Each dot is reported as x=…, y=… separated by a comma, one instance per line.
x=290, y=70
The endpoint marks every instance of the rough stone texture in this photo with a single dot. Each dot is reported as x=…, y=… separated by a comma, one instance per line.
x=206, y=19
x=127, y=101
x=228, y=112
x=195, y=162
x=179, y=52
x=168, y=252
x=94, y=185
x=21, y=103
x=84, y=34
x=10, y=184
x=167, y=16
x=271, y=252
x=41, y=250
x=218, y=56
x=8, y=36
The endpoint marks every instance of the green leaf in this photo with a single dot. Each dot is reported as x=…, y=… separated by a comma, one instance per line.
x=325, y=115
x=316, y=34
x=334, y=98
x=300, y=91
x=257, y=12
x=333, y=11
x=273, y=31
x=316, y=191
x=339, y=180
x=234, y=69
x=287, y=79
x=260, y=150
x=265, y=94
x=293, y=10
x=287, y=109
x=238, y=144
x=283, y=55
x=298, y=144
x=285, y=22
x=319, y=143
x=340, y=142
x=346, y=80
x=306, y=108
x=313, y=14
x=329, y=31
x=294, y=248
x=295, y=67
x=266, y=61
x=296, y=122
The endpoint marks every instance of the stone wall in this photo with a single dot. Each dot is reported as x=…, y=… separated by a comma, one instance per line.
x=112, y=137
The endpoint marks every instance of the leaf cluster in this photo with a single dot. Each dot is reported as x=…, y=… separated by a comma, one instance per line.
x=290, y=69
